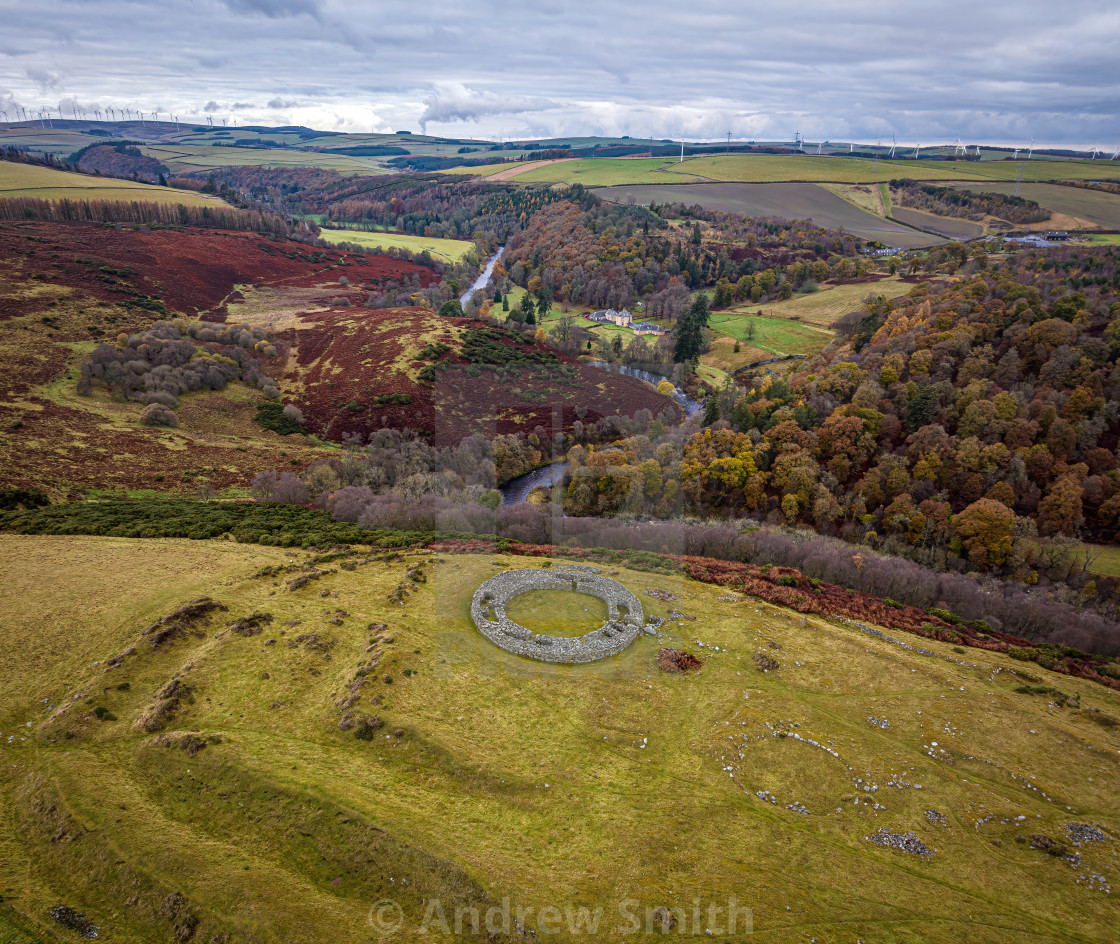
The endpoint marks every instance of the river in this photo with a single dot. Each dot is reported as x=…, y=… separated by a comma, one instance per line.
x=517, y=489
x=481, y=281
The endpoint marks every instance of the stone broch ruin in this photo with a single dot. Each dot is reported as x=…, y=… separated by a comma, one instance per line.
x=625, y=618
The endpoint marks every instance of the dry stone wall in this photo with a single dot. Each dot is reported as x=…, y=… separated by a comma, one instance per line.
x=625, y=619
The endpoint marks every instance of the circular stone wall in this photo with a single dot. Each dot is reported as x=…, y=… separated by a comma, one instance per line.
x=625, y=618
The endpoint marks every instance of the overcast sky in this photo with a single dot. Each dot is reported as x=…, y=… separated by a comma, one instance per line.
x=989, y=72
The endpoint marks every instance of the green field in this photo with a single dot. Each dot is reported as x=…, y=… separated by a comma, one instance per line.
x=451, y=250
x=776, y=336
x=1106, y=559
x=778, y=168
x=186, y=159
x=46, y=183
x=479, y=170
x=605, y=172
x=493, y=776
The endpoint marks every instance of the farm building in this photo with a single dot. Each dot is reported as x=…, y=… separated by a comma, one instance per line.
x=646, y=327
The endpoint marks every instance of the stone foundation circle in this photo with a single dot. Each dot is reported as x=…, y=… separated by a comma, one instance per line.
x=625, y=619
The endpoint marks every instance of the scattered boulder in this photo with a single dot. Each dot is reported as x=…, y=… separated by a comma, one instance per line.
x=74, y=921
x=1085, y=832
x=904, y=842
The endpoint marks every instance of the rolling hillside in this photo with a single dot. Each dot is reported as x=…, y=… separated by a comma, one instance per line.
x=281, y=763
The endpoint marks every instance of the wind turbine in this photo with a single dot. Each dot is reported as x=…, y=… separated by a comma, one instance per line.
x=819, y=146
x=1093, y=152
x=958, y=147
x=1116, y=153
x=916, y=149
x=894, y=144
x=1030, y=150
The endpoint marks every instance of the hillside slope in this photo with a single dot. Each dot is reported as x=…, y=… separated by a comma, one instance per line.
x=276, y=768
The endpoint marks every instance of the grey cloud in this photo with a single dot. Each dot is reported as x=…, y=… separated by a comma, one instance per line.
x=276, y=9
x=861, y=70
x=242, y=106
x=452, y=101
x=45, y=80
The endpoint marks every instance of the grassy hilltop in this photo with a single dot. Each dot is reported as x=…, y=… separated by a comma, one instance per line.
x=206, y=787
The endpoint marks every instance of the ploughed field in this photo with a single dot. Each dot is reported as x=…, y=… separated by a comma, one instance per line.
x=331, y=733
x=947, y=226
x=791, y=200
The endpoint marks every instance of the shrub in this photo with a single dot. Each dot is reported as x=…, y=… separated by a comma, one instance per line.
x=161, y=397
x=14, y=498
x=785, y=581
x=947, y=616
x=893, y=604
x=451, y=308
x=278, y=418
x=156, y=414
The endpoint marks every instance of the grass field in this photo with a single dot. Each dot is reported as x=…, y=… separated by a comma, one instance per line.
x=1093, y=206
x=493, y=776
x=606, y=172
x=46, y=183
x=1044, y=170
x=822, y=308
x=778, y=168
x=1106, y=559
x=799, y=201
x=773, y=335
x=479, y=170
x=185, y=159
x=450, y=250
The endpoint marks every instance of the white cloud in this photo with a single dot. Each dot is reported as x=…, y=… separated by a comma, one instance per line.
x=451, y=102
